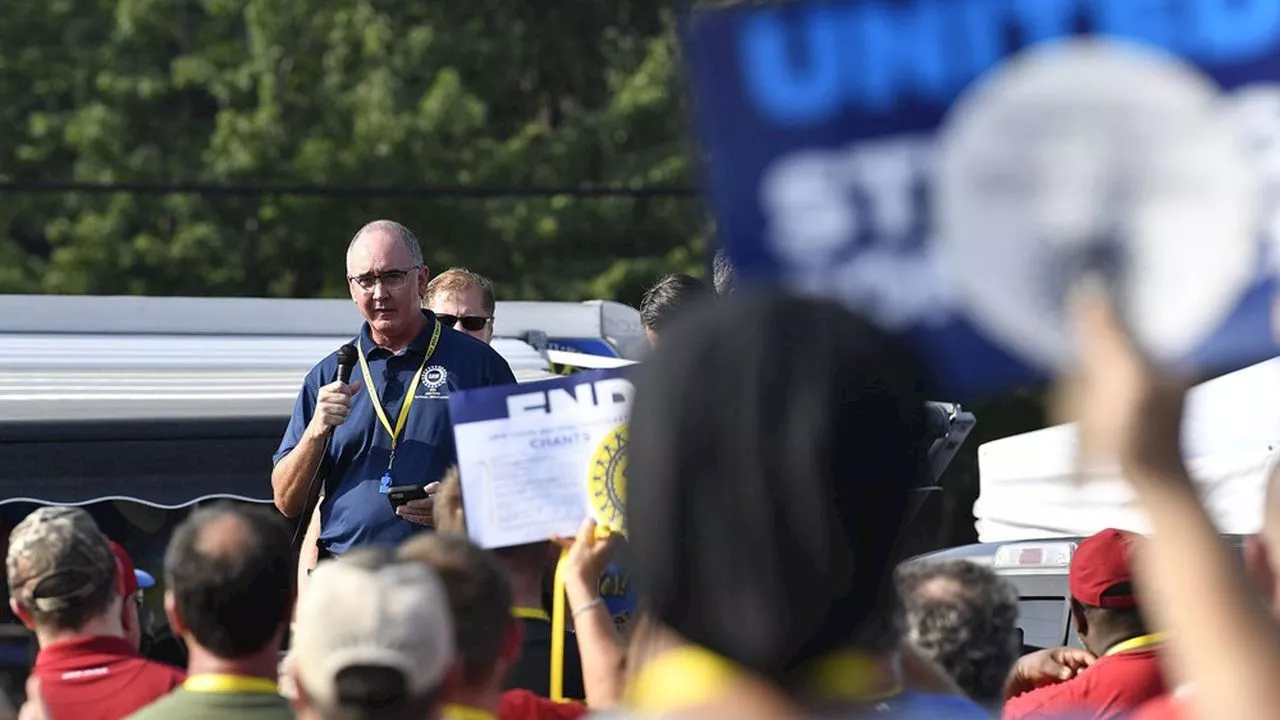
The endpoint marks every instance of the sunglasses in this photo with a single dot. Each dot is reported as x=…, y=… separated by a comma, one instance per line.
x=472, y=323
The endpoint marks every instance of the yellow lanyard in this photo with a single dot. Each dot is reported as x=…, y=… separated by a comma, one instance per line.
x=466, y=712
x=691, y=676
x=408, y=395
x=557, y=627
x=216, y=683
x=557, y=619
x=530, y=613
x=1137, y=643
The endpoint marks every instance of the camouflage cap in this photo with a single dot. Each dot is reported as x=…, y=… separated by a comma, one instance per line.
x=57, y=556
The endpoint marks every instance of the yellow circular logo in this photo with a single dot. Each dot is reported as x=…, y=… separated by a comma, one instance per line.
x=608, y=480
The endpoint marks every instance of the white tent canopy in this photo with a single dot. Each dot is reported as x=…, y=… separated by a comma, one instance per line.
x=1031, y=485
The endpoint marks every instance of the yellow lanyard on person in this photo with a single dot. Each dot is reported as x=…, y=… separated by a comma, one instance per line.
x=690, y=676
x=530, y=613
x=466, y=712
x=557, y=618
x=557, y=627
x=218, y=683
x=410, y=392
x=1142, y=641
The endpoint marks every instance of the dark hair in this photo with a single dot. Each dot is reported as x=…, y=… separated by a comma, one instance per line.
x=963, y=617
x=1123, y=620
x=669, y=298
x=772, y=445
x=231, y=570
x=91, y=602
x=480, y=597
x=368, y=692
x=722, y=272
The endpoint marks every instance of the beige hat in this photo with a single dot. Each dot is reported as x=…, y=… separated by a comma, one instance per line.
x=57, y=558
x=370, y=609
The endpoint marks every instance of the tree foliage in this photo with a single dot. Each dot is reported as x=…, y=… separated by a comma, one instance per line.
x=349, y=93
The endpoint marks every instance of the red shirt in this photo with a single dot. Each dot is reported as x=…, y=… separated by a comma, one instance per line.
x=524, y=705
x=1113, y=685
x=1165, y=707
x=103, y=678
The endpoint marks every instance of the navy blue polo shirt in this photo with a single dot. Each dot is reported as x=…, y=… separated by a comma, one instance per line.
x=355, y=512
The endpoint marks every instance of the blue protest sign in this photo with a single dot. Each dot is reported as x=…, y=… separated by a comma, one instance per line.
x=953, y=168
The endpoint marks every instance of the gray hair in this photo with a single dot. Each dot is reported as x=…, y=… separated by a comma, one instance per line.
x=963, y=616
x=401, y=233
x=722, y=273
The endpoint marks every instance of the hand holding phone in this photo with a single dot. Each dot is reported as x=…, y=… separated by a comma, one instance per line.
x=401, y=494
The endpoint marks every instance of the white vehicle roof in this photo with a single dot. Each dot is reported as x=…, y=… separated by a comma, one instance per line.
x=120, y=358
x=1031, y=487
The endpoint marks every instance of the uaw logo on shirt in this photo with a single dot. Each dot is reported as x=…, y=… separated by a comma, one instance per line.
x=435, y=383
x=608, y=480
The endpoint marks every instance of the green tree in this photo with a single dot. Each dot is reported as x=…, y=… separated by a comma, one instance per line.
x=355, y=93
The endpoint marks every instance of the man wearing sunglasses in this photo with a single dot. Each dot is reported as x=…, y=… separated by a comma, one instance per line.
x=464, y=301
x=390, y=426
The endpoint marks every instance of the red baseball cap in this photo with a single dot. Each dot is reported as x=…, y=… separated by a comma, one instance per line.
x=1101, y=562
x=128, y=578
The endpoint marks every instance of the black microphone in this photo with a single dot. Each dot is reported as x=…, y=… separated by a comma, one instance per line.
x=346, y=361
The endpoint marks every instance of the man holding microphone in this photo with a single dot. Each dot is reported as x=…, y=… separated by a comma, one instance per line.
x=390, y=426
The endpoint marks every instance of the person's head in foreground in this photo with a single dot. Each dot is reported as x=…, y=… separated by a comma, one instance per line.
x=373, y=640
x=479, y=599
x=62, y=577
x=1104, y=606
x=772, y=445
x=722, y=272
x=463, y=300
x=229, y=584
x=667, y=300
x=963, y=616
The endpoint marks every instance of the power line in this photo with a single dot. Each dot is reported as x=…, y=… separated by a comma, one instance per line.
x=440, y=191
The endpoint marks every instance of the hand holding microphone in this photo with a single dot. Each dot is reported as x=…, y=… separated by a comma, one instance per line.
x=333, y=401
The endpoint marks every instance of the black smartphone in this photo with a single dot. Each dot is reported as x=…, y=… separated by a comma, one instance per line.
x=401, y=494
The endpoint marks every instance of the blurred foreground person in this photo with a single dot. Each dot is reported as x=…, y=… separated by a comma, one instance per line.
x=525, y=566
x=722, y=272
x=229, y=593
x=65, y=584
x=668, y=299
x=773, y=442
x=488, y=636
x=1262, y=563
x=373, y=641
x=1220, y=638
x=1123, y=662
x=963, y=616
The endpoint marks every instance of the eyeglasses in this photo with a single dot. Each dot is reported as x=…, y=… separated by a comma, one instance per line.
x=391, y=279
x=472, y=323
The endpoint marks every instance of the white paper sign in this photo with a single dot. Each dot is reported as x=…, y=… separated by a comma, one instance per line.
x=536, y=459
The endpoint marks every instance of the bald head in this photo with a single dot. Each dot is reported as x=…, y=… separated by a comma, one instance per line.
x=388, y=279
x=230, y=576
x=378, y=235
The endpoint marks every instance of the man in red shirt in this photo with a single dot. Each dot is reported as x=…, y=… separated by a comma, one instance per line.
x=1127, y=670
x=63, y=584
x=488, y=638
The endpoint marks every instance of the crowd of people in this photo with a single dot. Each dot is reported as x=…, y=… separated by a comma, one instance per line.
x=771, y=446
